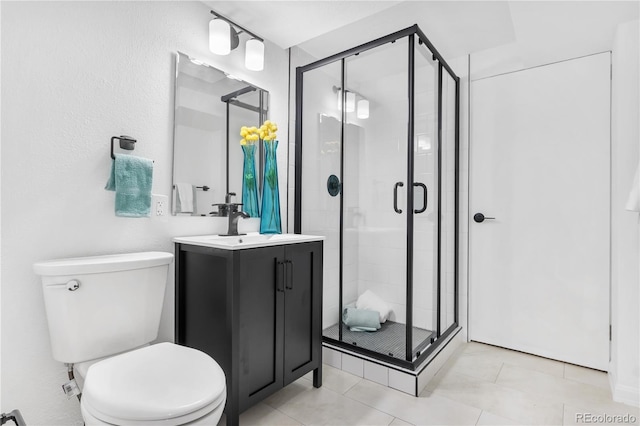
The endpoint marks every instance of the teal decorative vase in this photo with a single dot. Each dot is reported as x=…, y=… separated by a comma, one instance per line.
x=249, y=186
x=270, y=219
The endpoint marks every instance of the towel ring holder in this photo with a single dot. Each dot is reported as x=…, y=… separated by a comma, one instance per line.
x=126, y=142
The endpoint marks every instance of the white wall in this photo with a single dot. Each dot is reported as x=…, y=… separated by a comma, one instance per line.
x=1, y=406
x=624, y=368
x=73, y=75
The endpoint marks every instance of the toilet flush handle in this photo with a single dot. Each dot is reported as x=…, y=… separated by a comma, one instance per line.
x=73, y=285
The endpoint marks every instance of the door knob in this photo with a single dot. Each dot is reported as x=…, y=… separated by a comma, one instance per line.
x=479, y=217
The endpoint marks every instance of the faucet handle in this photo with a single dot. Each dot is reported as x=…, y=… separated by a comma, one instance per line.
x=234, y=207
x=227, y=198
x=223, y=209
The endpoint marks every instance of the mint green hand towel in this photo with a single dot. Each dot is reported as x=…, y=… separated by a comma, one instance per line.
x=361, y=319
x=131, y=178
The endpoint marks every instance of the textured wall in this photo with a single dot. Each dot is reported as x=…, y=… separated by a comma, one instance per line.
x=73, y=75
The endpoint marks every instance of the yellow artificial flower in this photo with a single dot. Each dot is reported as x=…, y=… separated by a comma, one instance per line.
x=266, y=132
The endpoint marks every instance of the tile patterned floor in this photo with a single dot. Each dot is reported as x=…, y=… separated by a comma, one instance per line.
x=479, y=385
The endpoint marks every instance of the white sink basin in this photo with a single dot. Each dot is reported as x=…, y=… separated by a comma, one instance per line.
x=251, y=240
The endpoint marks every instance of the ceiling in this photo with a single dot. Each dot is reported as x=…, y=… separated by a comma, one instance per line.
x=456, y=28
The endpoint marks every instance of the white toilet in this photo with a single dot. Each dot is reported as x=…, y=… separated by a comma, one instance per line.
x=103, y=312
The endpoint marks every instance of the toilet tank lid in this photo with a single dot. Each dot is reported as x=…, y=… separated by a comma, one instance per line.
x=105, y=263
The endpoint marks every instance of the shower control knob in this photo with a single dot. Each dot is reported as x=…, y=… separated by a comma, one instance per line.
x=73, y=285
x=479, y=217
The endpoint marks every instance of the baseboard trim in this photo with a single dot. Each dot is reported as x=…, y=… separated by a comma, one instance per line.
x=621, y=393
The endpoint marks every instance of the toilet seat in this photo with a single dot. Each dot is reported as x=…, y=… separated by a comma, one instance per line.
x=164, y=383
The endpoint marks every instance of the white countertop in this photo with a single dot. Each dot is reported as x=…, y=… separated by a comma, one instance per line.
x=250, y=240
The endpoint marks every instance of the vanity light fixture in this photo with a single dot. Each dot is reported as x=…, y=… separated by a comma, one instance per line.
x=223, y=38
x=350, y=102
x=220, y=37
x=363, y=109
x=254, y=55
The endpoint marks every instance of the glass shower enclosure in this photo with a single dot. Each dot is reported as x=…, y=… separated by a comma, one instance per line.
x=377, y=175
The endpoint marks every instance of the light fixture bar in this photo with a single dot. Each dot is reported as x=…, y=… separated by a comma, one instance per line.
x=230, y=22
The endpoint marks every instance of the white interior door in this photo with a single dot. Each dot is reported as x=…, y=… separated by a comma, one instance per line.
x=540, y=165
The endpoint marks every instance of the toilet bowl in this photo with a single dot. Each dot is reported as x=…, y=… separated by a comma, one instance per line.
x=163, y=383
x=103, y=312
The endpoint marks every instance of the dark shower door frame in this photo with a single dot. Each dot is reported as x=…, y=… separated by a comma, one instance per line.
x=412, y=33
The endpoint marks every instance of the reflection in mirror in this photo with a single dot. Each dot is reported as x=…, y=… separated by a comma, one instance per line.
x=210, y=108
x=244, y=110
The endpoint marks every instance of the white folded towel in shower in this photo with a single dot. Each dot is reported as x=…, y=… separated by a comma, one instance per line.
x=370, y=301
x=633, y=202
x=185, y=198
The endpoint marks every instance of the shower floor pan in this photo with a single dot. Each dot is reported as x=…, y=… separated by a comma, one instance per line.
x=389, y=340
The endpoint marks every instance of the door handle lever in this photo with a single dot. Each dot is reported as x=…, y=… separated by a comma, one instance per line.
x=479, y=217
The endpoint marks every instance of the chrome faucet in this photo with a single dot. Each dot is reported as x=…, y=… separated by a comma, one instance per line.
x=231, y=211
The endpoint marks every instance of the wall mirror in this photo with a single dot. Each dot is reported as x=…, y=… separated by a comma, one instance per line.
x=210, y=108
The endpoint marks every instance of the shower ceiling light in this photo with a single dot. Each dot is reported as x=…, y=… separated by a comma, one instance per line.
x=223, y=38
x=363, y=109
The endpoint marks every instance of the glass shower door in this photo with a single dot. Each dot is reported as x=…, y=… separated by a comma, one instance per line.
x=376, y=131
x=321, y=156
x=427, y=192
x=374, y=191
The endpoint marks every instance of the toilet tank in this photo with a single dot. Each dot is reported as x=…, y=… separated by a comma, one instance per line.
x=102, y=305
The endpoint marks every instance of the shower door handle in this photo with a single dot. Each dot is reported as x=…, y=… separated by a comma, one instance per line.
x=426, y=193
x=395, y=197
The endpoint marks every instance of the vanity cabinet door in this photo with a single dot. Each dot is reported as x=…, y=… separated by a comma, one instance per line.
x=302, y=316
x=260, y=291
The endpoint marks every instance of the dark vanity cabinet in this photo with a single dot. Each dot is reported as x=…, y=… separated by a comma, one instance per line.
x=256, y=311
